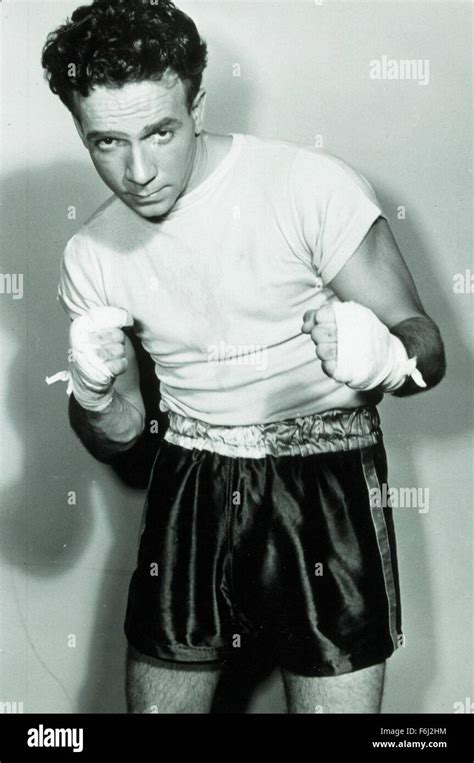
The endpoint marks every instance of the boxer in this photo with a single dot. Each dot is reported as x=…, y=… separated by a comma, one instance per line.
x=258, y=535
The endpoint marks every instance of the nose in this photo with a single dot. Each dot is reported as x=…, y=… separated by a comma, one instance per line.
x=141, y=168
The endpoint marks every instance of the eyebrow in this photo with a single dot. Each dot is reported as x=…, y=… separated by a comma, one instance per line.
x=145, y=133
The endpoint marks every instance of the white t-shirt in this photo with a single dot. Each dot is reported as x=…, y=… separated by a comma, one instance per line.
x=219, y=288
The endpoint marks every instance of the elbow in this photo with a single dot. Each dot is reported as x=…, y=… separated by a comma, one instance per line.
x=105, y=450
x=436, y=365
x=422, y=338
x=105, y=446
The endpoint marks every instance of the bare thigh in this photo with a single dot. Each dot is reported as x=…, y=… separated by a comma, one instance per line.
x=155, y=686
x=358, y=692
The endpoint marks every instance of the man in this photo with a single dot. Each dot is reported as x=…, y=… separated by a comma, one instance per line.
x=258, y=533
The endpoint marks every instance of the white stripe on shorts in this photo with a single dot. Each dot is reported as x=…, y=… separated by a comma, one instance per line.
x=378, y=518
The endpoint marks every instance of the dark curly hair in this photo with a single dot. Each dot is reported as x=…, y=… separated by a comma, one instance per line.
x=112, y=42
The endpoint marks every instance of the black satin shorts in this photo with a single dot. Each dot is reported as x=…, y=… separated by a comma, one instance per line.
x=284, y=554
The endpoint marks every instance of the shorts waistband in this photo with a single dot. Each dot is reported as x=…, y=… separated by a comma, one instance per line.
x=327, y=432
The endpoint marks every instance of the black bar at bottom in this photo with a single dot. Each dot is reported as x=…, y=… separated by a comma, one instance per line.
x=151, y=737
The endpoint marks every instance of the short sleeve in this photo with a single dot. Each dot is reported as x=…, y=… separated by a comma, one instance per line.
x=80, y=282
x=335, y=207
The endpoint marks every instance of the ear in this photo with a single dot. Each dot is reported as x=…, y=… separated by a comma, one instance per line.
x=79, y=130
x=198, y=109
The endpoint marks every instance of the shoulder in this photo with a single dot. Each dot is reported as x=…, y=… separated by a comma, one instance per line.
x=267, y=163
x=296, y=151
x=304, y=164
x=102, y=224
x=328, y=172
x=103, y=214
x=100, y=235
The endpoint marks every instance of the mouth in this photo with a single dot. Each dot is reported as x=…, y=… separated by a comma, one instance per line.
x=140, y=198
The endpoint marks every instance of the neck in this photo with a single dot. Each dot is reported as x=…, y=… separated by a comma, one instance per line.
x=200, y=163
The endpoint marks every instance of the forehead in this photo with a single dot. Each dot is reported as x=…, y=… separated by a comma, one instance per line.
x=132, y=105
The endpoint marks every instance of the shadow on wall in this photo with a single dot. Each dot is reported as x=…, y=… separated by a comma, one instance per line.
x=40, y=537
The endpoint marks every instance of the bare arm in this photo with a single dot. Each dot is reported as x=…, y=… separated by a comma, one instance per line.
x=377, y=277
x=116, y=429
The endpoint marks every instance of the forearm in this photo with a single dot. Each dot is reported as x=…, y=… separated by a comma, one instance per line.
x=108, y=433
x=421, y=338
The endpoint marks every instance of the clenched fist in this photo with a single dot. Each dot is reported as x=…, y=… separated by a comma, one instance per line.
x=98, y=355
x=320, y=323
x=356, y=348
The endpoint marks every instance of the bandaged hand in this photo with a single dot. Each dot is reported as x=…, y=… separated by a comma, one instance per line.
x=97, y=355
x=357, y=349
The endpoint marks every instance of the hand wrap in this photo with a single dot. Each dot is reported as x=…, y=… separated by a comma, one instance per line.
x=368, y=355
x=88, y=377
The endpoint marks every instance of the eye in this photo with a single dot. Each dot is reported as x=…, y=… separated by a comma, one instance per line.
x=162, y=136
x=105, y=144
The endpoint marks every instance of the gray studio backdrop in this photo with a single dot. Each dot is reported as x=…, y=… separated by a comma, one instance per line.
x=299, y=71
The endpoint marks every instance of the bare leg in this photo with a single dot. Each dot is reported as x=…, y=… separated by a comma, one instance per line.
x=359, y=692
x=155, y=686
